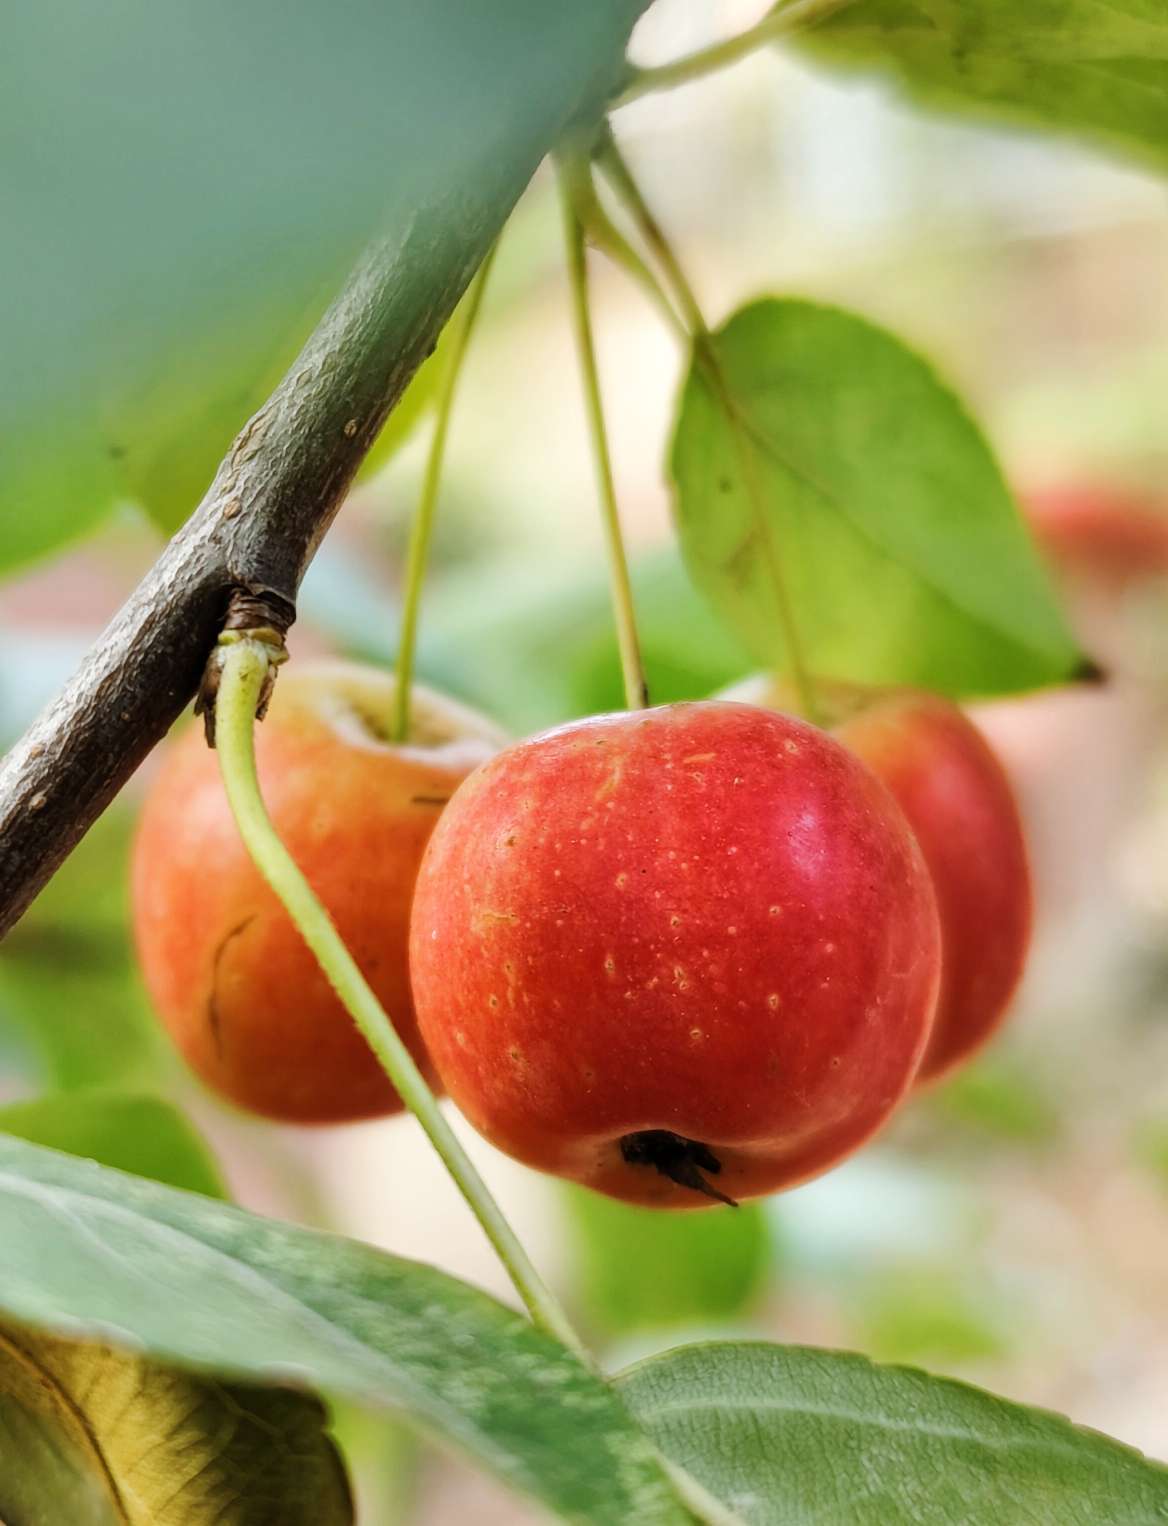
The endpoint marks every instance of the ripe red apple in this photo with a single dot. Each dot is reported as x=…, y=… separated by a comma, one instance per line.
x=239, y=991
x=959, y=802
x=675, y=954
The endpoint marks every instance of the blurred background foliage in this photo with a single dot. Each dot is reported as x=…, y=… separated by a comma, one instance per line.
x=1012, y=1226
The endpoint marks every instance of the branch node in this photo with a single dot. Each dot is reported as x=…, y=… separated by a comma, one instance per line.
x=260, y=615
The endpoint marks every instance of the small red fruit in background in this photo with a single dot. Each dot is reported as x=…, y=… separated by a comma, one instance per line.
x=675, y=954
x=959, y=803
x=235, y=985
x=1104, y=535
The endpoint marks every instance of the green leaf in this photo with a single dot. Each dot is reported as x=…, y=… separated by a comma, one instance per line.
x=642, y=1270
x=192, y=1282
x=184, y=186
x=96, y=1437
x=143, y=1135
x=1150, y=1148
x=790, y=1436
x=820, y=462
x=1070, y=66
x=998, y=1099
x=186, y=418
x=927, y=1312
x=68, y=982
x=547, y=651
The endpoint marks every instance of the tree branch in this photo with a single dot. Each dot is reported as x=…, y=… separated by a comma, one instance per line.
x=280, y=486
x=274, y=496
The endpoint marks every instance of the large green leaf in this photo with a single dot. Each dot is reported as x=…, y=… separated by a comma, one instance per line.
x=96, y=1437
x=819, y=461
x=638, y=1269
x=1075, y=66
x=790, y=1436
x=184, y=185
x=189, y=1281
x=186, y=418
x=143, y=1135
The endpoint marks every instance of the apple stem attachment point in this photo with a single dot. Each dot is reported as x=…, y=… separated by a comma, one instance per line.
x=260, y=618
x=682, y=1160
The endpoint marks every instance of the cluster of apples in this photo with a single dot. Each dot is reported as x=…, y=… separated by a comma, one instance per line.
x=692, y=953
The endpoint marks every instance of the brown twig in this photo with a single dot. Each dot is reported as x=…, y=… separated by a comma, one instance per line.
x=250, y=541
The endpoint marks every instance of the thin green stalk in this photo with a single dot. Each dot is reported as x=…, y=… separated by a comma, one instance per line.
x=245, y=667
x=621, y=178
x=603, y=234
x=422, y=529
x=779, y=22
x=636, y=691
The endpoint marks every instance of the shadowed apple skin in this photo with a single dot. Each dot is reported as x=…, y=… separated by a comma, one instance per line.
x=235, y=985
x=705, y=919
x=960, y=804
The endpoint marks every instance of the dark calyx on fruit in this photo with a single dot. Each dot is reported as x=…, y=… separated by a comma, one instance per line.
x=682, y=1160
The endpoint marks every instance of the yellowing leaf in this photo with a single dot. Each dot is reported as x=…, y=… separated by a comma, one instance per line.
x=95, y=1437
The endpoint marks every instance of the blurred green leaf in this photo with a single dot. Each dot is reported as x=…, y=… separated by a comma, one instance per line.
x=69, y=987
x=96, y=1437
x=638, y=1269
x=189, y=1281
x=1067, y=66
x=143, y=1135
x=187, y=417
x=791, y=1436
x=827, y=466
x=1150, y=1147
x=386, y=1460
x=926, y=1314
x=1000, y=1099
x=183, y=187
x=535, y=645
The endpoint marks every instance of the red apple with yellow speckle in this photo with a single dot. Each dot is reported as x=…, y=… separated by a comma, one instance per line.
x=961, y=807
x=239, y=991
x=678, y=954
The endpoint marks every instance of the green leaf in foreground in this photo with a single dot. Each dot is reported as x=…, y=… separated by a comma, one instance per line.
x=1068, y=66
x=643, y=1270
x=788, y=1436
x=182, y=184
x=93, y=1253
x=142, y=1135
x=819, y=462
x=95, y=1437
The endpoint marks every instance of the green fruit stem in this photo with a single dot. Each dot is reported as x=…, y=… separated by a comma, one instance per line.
x=632, y=668
x=422, y=530
x=786, y=17
x=705, y=353
x=245, y=668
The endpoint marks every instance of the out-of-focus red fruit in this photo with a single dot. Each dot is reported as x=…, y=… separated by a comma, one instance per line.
x=235, y=985
x=684, y=952
x=1104, y=535
x=959, y=802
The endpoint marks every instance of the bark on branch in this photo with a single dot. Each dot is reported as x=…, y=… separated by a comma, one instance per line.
x=272, y=500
